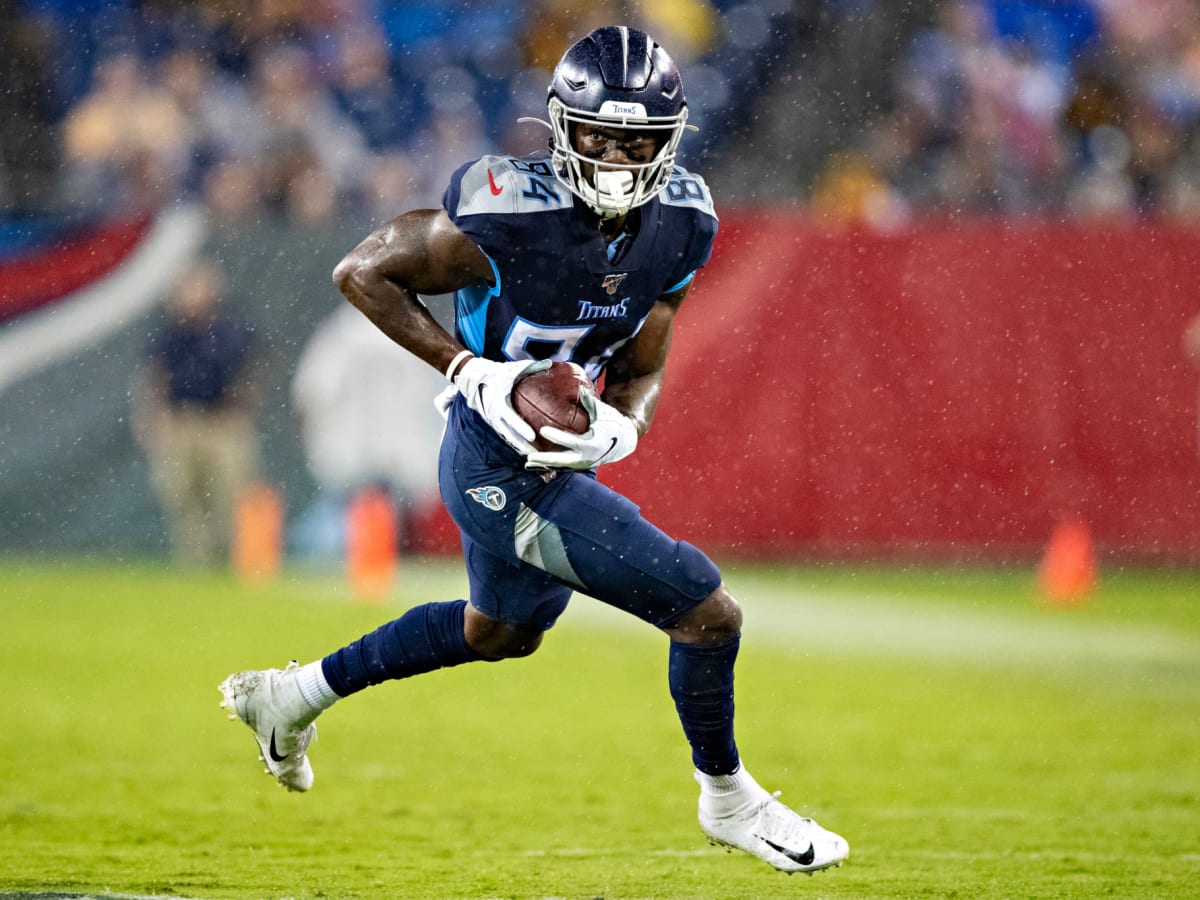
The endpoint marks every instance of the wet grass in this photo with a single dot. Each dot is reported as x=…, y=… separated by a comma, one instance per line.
x=968, y=740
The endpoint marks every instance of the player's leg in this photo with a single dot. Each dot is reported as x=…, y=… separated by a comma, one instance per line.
x=510, y=607
x=280, y=706
x=614, y=554
x=511, y=604
x=589, y=535
x=734, y=810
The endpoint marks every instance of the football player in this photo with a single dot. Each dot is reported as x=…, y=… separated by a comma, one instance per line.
x=582, y=254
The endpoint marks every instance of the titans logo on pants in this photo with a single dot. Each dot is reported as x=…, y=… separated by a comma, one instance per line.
x=491, y=497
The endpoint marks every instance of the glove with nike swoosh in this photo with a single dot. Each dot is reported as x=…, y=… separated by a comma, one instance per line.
x=613, y=436
x=487, y=386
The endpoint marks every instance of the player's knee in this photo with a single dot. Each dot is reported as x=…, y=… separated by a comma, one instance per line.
x=520, y=642
x=717, y=619
x=500, y=640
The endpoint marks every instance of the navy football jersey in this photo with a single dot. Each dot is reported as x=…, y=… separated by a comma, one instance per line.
x=557, y=293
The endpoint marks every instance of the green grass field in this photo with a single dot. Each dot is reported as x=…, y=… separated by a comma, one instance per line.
x=968, y=741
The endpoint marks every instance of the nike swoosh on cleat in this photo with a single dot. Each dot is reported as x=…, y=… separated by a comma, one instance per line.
x=805, y=858
x=275, y=756
x=492, y=184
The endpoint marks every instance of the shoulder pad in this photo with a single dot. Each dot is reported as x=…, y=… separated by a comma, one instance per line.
x=688, y=190
x=506, y=184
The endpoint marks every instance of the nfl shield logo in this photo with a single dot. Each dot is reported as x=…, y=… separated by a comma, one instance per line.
x=612, y=282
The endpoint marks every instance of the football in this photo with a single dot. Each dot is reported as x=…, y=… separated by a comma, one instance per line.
x=551, y=397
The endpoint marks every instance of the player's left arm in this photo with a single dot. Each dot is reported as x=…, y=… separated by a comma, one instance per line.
x=633, y=377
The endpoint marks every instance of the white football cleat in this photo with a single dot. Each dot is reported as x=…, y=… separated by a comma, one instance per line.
x=765, y=828
x=270, y=702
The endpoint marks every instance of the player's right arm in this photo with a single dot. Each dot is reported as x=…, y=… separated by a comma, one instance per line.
x=420, y=252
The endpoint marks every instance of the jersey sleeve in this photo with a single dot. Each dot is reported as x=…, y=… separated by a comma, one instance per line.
x=473, y=207
x=688, y=201
x=495, y=198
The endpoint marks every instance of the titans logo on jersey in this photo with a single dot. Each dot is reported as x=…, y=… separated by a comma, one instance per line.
x=559, y=292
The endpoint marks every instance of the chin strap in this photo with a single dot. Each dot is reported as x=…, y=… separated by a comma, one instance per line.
x=612, y=194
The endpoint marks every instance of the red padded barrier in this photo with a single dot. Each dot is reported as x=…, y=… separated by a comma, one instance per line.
x=947, y=392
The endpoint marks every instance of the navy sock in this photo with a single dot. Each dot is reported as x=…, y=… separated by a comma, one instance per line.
x=423, y=639
x=701, y=678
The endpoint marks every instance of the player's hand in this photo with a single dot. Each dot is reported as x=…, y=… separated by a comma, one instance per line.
x=613, y=436
x=487, y=386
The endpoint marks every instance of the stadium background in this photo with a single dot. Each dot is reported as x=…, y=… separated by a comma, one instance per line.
x=958, y=251
x=957, y=258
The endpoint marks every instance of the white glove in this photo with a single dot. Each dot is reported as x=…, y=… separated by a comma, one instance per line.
x=612, y=436
x=443, y=401
x=487, y=385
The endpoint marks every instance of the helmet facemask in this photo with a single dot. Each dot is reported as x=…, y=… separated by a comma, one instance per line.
x=614, y=189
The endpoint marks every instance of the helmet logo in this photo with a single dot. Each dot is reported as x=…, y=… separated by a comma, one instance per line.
x=616, y=108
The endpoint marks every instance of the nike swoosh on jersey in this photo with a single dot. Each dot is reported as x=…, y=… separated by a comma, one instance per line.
x=803, y=859
x=492, y=184
x=275, y=753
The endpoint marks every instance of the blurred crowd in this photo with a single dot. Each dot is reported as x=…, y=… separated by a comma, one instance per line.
x=310, y=107
x=1084, y=108
x=307, y=108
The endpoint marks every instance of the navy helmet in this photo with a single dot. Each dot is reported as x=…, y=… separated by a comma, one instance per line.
x=619, y=78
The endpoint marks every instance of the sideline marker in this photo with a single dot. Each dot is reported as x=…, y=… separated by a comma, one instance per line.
x=258, y=533
x=1068, y=572
x=372, y=531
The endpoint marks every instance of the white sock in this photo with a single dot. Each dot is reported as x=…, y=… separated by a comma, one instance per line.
x=314, y=688
x=723, y=795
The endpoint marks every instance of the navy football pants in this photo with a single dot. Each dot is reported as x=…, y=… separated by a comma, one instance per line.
x=531, y=538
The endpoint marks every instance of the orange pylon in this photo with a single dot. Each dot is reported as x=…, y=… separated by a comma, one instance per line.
x=371, y=544
x=258, y=533
x=1068, y=571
